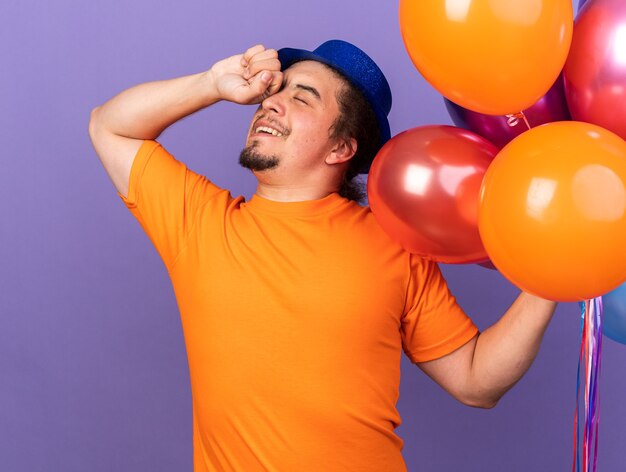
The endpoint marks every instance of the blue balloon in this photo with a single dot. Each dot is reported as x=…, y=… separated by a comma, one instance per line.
x=580, y=4
x=614, y=319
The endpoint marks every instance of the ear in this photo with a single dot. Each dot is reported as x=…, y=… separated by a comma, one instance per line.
x=342, y=152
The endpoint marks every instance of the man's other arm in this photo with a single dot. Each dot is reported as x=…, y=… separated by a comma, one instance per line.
x=118, y=127
x=484, y=369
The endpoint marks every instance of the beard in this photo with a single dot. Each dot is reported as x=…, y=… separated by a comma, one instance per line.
x=252, y=159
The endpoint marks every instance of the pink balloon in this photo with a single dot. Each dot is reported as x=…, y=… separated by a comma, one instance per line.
x=595, y=71
x=423, y=189
x=500, y=130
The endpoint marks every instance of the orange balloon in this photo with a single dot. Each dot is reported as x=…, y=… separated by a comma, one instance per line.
x=491, y=56
x=552, y=211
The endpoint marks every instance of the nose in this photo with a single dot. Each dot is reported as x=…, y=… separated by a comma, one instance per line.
x=274, y=103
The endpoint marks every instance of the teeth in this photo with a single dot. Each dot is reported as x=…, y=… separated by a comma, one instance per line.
x=267, y=129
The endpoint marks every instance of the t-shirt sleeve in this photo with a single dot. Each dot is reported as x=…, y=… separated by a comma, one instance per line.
x=433, y=324
x=165, y=197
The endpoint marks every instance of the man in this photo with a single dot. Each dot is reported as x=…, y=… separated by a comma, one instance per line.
x=296, y=306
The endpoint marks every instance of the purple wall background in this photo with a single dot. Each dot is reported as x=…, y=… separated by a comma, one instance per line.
x=93, y=373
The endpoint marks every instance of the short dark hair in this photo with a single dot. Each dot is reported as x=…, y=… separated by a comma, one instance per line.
x=356, y=120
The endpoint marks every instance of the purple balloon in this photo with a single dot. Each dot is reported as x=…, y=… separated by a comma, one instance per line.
x=595, y=71
x=581, y=3
x=501, y=129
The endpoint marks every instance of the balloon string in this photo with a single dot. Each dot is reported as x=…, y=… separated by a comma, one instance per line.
x=513, y=119
x=589, y=366
x=598, y=369
x=585, y=343
x=587, y=359
x=525, y=119
x=576, y=462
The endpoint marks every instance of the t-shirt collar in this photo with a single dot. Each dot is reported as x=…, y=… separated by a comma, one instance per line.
x=302, y=208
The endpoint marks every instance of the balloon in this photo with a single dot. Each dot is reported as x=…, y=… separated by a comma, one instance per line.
x=491, y=56
x=487, y=265
x=552, y=212
x=502, y=129
x=581, y=3
x=423, y=190
x=614, y=322
x=595, y=72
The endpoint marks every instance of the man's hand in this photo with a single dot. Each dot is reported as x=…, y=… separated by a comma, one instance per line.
x=248, y=78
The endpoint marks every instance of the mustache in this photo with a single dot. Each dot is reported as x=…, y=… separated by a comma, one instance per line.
x=272, y=121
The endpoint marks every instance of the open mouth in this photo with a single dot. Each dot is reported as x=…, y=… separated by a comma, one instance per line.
x=268, y=130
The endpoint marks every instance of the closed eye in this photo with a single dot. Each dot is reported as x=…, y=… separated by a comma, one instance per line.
x=300, y=100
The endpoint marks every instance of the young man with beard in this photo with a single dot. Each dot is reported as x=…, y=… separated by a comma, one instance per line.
x=296, y=306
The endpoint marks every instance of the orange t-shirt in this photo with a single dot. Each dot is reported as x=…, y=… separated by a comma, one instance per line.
x=295, y=316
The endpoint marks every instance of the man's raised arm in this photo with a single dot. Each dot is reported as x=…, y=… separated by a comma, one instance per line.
x=118, y=127
x=484, y=369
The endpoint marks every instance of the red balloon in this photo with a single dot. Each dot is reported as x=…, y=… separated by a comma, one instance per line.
x=423, y=189
x=595, y=71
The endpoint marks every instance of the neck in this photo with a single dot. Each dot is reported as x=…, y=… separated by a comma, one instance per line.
x=292, y=193
x=273, y=186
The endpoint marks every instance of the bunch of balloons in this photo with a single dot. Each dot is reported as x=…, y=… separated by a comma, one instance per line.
x=518, y=183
